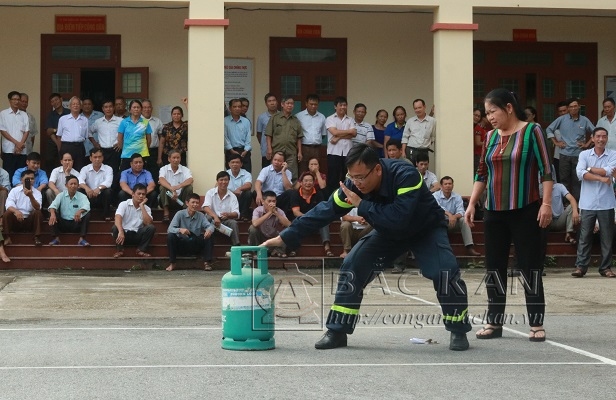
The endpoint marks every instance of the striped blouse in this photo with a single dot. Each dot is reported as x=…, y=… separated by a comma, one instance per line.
x=511, y=167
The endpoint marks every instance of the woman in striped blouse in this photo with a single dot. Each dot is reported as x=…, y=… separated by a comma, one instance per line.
x=514, y=158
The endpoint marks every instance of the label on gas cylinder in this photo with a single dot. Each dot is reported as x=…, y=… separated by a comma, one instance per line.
x=245, y=299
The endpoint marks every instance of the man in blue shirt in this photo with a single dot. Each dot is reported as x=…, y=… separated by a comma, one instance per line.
x=238, y=134
x=70, y=212
x=573, y=129
x=33, y=163
x=134, y=175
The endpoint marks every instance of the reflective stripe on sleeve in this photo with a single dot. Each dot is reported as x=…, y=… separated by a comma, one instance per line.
x=408, y=189
x=459, y=318
x=339, y=202
x=345, y=310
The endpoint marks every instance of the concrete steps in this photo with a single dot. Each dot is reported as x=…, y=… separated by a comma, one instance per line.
x=68, y=255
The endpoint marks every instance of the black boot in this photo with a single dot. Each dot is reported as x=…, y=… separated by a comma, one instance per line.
x=331, y=340
x=458, y=341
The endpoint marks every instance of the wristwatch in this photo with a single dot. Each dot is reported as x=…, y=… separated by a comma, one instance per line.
x=588, y=169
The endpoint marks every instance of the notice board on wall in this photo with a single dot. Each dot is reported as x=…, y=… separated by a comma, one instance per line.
x=240, y=81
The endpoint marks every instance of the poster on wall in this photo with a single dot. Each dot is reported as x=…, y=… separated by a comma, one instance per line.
x=239, y=81
x=610, y=87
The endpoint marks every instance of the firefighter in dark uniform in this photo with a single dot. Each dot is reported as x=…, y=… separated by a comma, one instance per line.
x=392, y=197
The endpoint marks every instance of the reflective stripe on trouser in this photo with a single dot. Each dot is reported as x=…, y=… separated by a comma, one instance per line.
x=374, y=252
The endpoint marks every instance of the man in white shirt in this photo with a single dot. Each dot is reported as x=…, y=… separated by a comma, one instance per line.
x=423, y=162
x=15, y=130
x=25, y=100
x=133, y=224
x=352, y=228
x=95, y=181
x=340, y=132
x=609, y=122
x=57, y=180
x=106, y=129
x=451, y=203
x=313, y=127
x=419, y=133
x=73, y=132
x=152, y=162
x=221, y=206
x=23, y=209
x=178, y=180
x=240, y=184
x=275, y=178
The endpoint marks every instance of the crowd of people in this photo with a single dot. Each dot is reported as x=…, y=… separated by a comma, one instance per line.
x=118, y=149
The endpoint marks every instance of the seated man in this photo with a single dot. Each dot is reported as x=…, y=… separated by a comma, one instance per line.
x=454, y=212
x=267, y=222
x=177, y=179
x=133, y=223
x=70, y=213
x=352, y=228
x=240, y=184
x=564, y=218
x=57, y=179
x=95, y=180
x=23, y=209
x=394, y=150
x=423, y=162
x=5, y=187
x=189, y=233
x=221, y=206
x=134, y=175
x=33, y=163
x=275, y=178
x=305, y=199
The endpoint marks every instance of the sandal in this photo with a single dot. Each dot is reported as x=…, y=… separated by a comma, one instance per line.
x=571, y=240
x=142, y=254
x=292, y=254
x=489, y=332
x=165, y=218
x=118, y=254
x=579, y=273
x=535, y=338
x=207, y=266
x=37, y=241
x=607, y=273
x=328, y=252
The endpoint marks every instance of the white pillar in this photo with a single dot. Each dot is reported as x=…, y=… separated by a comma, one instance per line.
x=453, y=93
x=206, y=54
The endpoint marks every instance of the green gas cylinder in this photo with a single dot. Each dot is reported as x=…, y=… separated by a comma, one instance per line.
x=248, y=319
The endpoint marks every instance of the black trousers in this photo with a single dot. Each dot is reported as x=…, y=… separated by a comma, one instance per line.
x=101, y=201
x=520, y=227
x=189, y=245
x=71, y=226
x=374, y=252
x=112, y=159
x=336, y=172
x=141, y=238
x=77, y=150
x=11, y=162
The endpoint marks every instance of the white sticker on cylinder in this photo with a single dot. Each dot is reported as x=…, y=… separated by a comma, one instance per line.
x=243, y=299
